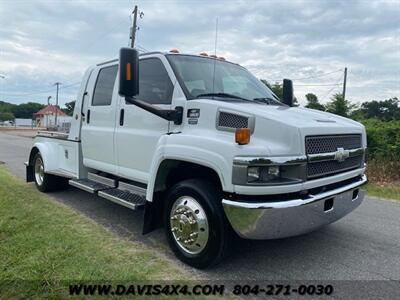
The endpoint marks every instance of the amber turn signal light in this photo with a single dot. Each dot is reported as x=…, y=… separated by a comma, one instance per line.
x=242, y=136
x=128, y=71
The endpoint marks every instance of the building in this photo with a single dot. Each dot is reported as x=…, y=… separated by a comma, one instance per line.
x=46, y=118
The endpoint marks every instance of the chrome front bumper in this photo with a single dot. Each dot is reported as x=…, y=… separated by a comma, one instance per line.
x=279, y=219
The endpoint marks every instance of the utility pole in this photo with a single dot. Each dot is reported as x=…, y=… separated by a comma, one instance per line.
x=57, y=84
x=344, y=83
x=133, y=29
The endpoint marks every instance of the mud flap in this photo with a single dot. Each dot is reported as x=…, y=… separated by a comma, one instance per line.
x=29, y=173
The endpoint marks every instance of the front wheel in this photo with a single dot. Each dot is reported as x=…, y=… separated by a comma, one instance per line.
x=195, y=223
x=46, y=182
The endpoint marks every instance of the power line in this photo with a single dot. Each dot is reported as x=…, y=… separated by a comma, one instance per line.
x=330, y=90
x=317, y=76
x=314, y=76
x=41, y=92
x=329, y=84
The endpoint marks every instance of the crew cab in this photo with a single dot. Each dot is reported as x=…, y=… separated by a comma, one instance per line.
x=206, y=149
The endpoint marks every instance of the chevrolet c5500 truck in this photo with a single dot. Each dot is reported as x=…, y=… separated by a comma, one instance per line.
x=206, y=149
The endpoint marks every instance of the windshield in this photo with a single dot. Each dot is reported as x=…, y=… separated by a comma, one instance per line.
x=196, y=76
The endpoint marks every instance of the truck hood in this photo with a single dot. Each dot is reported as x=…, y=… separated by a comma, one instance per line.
x=281, y=129
x=302, y=118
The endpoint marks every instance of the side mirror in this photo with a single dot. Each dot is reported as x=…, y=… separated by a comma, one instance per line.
x=287, y=92
x=128, y=72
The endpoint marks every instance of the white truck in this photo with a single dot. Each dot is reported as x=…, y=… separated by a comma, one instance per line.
x=206, y=149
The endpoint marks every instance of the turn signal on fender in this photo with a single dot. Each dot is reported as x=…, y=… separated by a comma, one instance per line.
x=242, y=136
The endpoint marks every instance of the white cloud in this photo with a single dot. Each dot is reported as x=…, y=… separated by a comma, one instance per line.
x=46, y=41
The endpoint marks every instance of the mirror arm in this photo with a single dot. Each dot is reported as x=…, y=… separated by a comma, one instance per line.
x=174, y=115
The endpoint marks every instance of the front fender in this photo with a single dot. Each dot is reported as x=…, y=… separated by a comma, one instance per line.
x=193, y=154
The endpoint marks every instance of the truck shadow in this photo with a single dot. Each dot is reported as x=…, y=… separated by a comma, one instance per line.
x=320, y=252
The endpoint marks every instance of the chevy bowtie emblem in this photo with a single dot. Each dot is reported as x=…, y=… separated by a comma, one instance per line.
x=341, y=154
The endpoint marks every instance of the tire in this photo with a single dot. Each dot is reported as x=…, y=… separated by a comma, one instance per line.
x=205, y=242
x=46, y=182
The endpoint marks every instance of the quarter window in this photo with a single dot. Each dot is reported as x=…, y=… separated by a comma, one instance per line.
x=104, y=86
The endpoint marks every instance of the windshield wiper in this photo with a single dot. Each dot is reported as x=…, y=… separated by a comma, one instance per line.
x=268, y=100
x=223, y=95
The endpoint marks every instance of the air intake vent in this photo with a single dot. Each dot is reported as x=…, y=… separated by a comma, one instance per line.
x=230, y=120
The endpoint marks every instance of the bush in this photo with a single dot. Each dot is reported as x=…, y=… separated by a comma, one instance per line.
x=383, y=139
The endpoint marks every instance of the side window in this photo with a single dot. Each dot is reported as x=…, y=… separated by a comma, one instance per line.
x=104, y=86
x=155, y=86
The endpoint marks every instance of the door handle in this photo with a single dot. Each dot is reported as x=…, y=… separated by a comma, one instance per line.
x=121, y=117
x=88, y=116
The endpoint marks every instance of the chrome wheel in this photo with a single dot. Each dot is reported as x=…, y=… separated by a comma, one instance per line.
x=189, y=225
x=39, y=171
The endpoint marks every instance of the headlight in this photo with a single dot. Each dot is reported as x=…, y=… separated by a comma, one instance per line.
x=263, y=174
x=268, y=170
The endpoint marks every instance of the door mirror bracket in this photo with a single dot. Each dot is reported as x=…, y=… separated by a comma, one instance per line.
x=175, y=115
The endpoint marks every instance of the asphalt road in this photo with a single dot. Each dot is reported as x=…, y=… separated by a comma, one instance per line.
x=365, y=245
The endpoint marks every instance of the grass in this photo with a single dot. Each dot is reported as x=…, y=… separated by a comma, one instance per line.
x=45, y=245
x=387, y=191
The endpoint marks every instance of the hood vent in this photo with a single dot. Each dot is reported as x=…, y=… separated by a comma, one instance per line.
x=230, y=120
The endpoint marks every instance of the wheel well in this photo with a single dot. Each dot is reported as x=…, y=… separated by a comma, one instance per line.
x=169, y=173
x=34, y=151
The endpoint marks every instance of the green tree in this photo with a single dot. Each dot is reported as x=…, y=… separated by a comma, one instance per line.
x=26, y=110
x=6, y=107
x=313, y=103
x=69, y=108
x=6, y=116
x=339, y=106
x=385, y=110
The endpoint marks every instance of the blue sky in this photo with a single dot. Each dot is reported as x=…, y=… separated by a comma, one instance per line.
x=42, y=42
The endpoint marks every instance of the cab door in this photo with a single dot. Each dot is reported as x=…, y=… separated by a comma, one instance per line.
x=138, y=132
x=98, y=128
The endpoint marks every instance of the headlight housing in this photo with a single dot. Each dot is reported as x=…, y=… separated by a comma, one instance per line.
x=269, y=171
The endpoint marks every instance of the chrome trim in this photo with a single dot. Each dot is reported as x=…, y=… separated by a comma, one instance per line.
x=333, y=155
x=278, y=219
x=268, y=161
x=103, y=180
x=56, y=134
x=119, y=201
x=82, y=186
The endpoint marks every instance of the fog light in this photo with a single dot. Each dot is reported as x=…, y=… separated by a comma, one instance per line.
x=253, y=174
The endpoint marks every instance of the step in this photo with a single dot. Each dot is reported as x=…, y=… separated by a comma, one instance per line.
x=89, y=185
x=123, y=197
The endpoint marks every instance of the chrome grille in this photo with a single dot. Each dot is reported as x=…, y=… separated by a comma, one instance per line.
x=331, y=144
x=332, y=166
x=229, y=120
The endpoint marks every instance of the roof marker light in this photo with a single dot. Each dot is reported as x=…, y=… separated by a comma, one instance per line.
x=203, y=54
x=174, y=51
